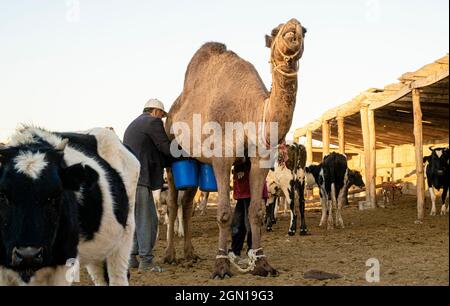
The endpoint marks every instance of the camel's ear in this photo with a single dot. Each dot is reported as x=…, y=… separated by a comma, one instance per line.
x=304, y=30
x=269, y=40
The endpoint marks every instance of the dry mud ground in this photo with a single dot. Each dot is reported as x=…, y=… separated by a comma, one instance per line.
x=409, y=254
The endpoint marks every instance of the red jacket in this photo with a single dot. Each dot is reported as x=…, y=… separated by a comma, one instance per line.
x=241, y=187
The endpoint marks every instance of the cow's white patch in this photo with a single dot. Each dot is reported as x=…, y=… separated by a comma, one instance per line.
x=30, y=164
x=439, y=153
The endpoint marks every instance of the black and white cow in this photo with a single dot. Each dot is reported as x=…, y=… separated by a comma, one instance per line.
x=438, y=175
x=66, y=197
x=333, y=178
x=288, y=180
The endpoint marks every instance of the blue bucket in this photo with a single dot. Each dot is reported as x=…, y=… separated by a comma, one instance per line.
x=207, y=179
x=185, y=174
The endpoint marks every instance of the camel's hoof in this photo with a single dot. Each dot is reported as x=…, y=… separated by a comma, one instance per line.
x=263, y=268
x=170, y=258
x=221, y=269
x=192, y=257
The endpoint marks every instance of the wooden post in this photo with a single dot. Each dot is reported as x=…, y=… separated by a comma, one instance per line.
x=366, y=139
x=373, y=158
x=325, y=138
x=341, y=134
x=309, y=149
x=417, y=110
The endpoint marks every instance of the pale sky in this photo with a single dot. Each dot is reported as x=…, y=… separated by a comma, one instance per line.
x=66, y=71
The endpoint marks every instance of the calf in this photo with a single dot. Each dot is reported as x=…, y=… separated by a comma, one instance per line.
x=66, y=196
x=333, y=178
x=389, y=189
x=288, y=180
x=438, y=173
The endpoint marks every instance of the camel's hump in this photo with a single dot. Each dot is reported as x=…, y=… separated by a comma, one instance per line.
x=213, y=47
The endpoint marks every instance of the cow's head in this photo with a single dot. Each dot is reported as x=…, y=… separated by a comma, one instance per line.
x=438, y=160
x=34, y=181
x=355, y=178
x=312, y=175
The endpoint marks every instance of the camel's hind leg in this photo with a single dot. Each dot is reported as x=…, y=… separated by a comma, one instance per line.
x=172, y=208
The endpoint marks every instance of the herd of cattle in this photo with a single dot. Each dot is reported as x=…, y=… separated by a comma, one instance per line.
x=66, y=196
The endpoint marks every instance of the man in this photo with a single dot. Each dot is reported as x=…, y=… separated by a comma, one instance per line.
x=148, y=140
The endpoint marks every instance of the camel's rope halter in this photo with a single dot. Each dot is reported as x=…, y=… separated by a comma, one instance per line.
x=253, y=258
x=287, y=58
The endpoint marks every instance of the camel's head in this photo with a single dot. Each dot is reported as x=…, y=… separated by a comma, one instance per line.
x=287, y=41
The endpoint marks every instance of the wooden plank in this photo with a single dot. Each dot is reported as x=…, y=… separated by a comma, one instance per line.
x=309, y=148
x=325, y=138
x=366, y=140
x=373, y=157
x=419, y=155
x=434, y=78
x=341, y=134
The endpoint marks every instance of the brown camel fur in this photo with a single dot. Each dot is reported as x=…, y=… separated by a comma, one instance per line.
x=222, y=87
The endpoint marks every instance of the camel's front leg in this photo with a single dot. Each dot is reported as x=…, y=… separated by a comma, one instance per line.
x=257, y=177
x=172, y=208
x=188, y=205
x=222, y=169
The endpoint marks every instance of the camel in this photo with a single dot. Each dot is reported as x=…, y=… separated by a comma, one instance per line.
x=222, y=87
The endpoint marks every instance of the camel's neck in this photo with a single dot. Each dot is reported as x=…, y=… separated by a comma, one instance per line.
x=282, y=102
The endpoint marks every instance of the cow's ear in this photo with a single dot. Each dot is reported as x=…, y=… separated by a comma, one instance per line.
x=75, y=176
x=426, y=159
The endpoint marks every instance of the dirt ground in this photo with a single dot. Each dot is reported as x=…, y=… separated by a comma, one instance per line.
x=409, y=254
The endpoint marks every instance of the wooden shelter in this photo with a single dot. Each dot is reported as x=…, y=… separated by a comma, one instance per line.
x=413, y=111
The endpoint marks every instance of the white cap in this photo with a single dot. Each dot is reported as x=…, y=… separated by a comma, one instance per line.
x=155, y=103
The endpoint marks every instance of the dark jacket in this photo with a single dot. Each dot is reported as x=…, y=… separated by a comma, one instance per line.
x=148, y=140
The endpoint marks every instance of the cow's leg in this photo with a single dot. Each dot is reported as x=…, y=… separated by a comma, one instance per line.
x=188, y=205
x=285, y=205
x=443, y=197
x=97, y=272
x=289, y=195
x=62, y=276
x=222, y=169
x=269, y=214
x=331, y=204
x=172, y=208
x=433, y=201
x=275, y=208
x=180, y=219
x=257, y=178
x=117, y=264
x=203, y=203
x=301, y=202
x=324, y=204
x=340, y=203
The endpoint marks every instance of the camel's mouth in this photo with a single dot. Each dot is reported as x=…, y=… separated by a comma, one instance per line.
x=293, y=34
